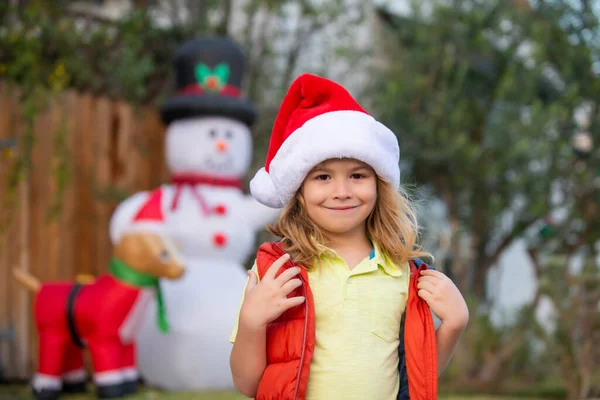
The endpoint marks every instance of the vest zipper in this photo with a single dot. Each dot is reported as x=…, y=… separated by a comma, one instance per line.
x=303, y=342
x=305, y=326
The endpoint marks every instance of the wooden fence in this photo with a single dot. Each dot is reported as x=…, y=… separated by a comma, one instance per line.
x=87, y=150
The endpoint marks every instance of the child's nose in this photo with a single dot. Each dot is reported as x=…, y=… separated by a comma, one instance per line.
x=341, y=189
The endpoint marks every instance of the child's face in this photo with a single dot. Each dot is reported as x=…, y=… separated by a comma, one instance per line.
x=339, y=195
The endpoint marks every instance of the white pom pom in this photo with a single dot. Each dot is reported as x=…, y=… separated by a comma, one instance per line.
x=264, y=191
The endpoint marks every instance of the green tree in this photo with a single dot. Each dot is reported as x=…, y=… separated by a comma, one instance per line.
x=565, y=253
x=482, y=95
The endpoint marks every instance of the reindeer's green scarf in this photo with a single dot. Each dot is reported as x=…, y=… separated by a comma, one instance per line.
x=125, y=273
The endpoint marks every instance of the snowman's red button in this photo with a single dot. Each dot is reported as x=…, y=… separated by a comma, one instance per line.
x=219, y=239
x=220, y=209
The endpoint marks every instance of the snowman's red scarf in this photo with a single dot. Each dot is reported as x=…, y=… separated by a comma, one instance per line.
x=192, y=180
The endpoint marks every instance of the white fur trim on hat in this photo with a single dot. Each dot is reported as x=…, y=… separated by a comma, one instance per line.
x=263, y=189
x=336, y=134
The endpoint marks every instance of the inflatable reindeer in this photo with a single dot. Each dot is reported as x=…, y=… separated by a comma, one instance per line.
x=103, y=315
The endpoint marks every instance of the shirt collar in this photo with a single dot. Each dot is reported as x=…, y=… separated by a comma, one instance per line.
x=377, y=258
x=385, y=263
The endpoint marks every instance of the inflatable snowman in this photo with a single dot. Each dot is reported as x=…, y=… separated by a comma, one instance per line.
x=208, y=151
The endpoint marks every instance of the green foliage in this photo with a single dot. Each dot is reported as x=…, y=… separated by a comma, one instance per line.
x=48, y=44
x=484, y=111
x=18, y=167
x=482, y=96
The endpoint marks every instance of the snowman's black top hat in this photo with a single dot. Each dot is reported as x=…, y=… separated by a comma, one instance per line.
x=209, y=75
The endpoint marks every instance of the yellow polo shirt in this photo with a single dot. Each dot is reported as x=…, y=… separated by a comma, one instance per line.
x=358, y=317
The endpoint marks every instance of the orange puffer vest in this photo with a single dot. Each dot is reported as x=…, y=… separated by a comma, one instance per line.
x=290, y=341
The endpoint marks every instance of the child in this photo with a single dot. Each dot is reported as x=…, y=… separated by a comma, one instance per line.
x=339, y=308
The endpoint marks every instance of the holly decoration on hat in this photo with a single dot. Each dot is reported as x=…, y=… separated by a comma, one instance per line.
x=212, y=80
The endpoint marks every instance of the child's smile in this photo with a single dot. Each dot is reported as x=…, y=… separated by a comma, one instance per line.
x=342, y=208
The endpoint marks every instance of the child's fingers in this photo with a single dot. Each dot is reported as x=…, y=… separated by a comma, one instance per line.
x=425, y=295
x=252, y=280
x=293, y=302
x=431, y=279
x=277, y=264
x=427, y=285
x=433, y=273
x=290, y=285
x=287, y=275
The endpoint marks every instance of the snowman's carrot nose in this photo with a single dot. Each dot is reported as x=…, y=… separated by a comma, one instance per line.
x=221, y=145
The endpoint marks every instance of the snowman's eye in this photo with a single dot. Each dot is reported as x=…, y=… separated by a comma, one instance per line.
x=212, y=133
x=228, y=134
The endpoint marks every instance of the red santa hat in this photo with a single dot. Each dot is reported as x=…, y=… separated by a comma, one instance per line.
x=318, y=120
x=149, y=217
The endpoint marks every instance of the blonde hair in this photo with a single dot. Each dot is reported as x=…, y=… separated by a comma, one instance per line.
x=392, y=225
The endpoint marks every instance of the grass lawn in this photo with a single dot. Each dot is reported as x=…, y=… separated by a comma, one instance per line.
x=23, y=392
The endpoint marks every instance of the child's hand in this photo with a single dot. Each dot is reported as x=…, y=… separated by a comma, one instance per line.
x=266, y=300
x=444, y=298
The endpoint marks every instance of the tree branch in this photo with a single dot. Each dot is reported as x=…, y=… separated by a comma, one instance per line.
x=508, y=240
x=223, y=28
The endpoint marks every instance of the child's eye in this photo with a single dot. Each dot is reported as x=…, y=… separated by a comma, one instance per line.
x=322, y=177
x=357, y=176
